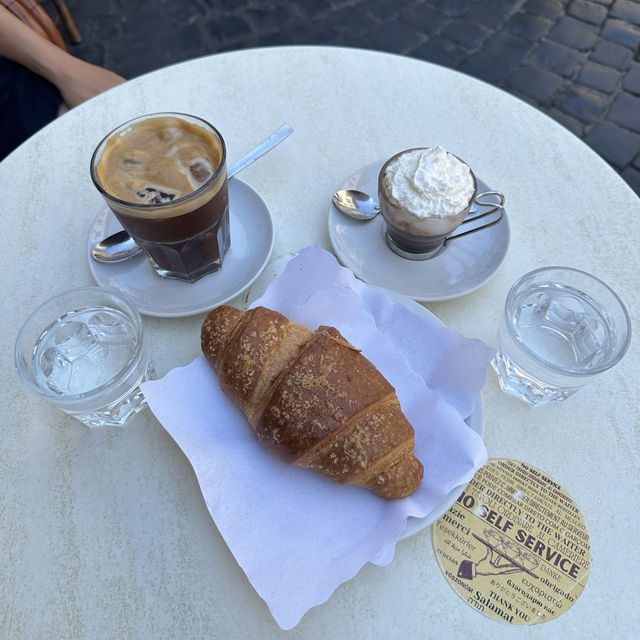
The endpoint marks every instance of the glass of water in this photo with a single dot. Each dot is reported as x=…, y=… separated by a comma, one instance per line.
x=85, y=351
x=562, y=327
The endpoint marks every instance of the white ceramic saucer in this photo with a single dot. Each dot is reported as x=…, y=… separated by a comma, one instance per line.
x=252, y=238
x=475, y=421
x=463, y=266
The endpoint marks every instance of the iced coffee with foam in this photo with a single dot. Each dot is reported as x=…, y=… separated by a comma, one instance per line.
x=425, y=194
x=164, y=177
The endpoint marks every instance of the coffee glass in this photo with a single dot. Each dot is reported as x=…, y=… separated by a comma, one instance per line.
x=561, y=328
x=85, y=351
x=164, y=176
x=422, y=237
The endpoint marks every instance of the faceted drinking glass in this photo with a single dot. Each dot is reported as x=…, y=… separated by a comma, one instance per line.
x=85, y=351
x=562, y=328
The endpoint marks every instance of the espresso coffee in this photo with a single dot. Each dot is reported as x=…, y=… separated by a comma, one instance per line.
x=164, y=177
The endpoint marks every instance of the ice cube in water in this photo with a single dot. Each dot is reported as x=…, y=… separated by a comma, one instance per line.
x=200, y=170
x=84, y=350
x=56, y=369
x=74, y=340
x=107, y=328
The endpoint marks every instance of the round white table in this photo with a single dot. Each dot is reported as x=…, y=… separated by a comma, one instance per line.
x=104, y=533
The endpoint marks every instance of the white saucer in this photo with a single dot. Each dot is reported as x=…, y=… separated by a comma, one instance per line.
x=475, y=421
x=463, y=266
x=252, y=238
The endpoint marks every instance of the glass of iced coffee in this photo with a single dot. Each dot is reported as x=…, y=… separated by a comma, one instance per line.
x=164, y=176
x=425, y=195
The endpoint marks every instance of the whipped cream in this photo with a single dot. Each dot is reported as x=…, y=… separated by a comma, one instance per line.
x=430, y=183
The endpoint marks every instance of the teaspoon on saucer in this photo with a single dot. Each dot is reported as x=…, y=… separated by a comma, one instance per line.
x=121, y=246
x=356, y=204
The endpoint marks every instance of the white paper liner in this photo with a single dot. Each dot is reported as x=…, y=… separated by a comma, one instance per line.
x=297, y=535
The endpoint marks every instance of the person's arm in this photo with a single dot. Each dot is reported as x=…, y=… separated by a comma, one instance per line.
x=76, y=79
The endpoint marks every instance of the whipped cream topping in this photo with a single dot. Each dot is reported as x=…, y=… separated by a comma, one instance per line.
x=430, y=183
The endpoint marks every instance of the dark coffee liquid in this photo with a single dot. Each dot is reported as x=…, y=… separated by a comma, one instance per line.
x=183, y=245
x=164, y=177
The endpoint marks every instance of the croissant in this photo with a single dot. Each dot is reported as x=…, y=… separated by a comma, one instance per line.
x=313, y=399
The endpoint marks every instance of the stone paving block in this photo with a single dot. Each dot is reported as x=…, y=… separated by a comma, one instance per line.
x=507, y=46
x=613, y=143
x=394, y=36
x=263, y=19
x=423, y=18
x=182, y=13
x=527, y=26
x=588, y=11
x=555, y=57
x=441, y=51
x=508, y=6
x=487, y=67
x=214, y=6
x=581, y=103
x=534, y=83
x=626, y=111
x=351, y=21
x=621, y=32
x=575, y=126
x=273, y=39
x=486, y=16
x=465, y=33
x=631, y=80
x=632, y=177
x=136, y=56
x=551, y=9
x=597, y=76
x=381, y=10
x=574, y=33
x=626, y=10
x=302, y=8
x=305, y=32
x=611, y=54
x=451, y=8
x=147, y=20
x=226, y=30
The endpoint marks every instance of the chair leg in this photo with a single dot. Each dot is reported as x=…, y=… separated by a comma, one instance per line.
x=69, y=22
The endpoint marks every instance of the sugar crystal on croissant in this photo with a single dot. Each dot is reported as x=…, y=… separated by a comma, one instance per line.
x=313, y=399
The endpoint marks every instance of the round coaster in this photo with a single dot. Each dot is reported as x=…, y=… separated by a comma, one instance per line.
x=514, y=545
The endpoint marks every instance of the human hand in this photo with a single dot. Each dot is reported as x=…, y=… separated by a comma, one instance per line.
x=78, y=80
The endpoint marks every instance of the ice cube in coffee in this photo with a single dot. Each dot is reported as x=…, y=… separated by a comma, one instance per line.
x=164, y=176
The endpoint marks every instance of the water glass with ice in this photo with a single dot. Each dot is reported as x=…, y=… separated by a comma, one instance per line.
x=562, y=328
x=85, y=350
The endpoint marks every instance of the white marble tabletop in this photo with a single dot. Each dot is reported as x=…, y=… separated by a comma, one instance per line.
x=104, y=533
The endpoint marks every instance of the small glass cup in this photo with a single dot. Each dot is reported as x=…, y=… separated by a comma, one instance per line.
x=421, y=238
x=85, y=351
x=562, y=327
x=184, y=237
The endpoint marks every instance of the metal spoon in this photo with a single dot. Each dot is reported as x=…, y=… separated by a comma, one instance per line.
x=356, y=204
x=121, y=246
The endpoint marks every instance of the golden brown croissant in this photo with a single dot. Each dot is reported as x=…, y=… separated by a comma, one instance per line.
x=313, y=399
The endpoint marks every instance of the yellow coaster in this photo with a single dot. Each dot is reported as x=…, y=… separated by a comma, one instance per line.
x=514, y=546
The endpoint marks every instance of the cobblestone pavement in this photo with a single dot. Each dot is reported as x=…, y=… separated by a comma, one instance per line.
x=576, y=60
